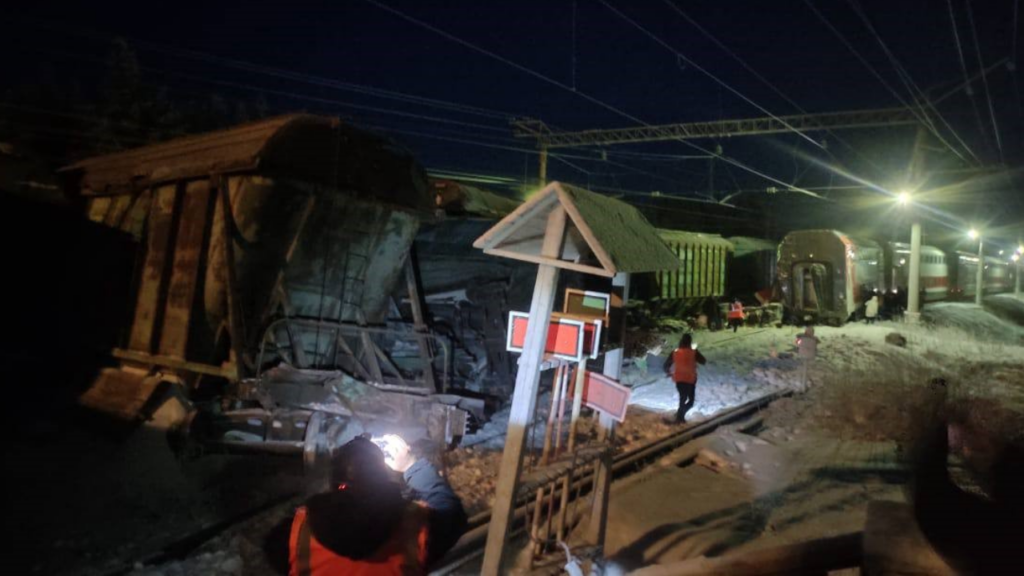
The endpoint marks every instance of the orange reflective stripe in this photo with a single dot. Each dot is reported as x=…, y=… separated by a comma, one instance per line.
x=684, y=361
x=299, y=546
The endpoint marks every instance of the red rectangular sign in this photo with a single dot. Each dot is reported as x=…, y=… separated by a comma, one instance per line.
x=565, y=336
x=605, y=395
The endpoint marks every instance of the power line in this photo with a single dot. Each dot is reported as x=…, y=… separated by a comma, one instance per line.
x=707, y=73
x=963, y=66
x=922, y=118
x=293, y=95
x=562, y=85
x=984, y=82
x=761, y=78
x=280, y=73
x=904, y=76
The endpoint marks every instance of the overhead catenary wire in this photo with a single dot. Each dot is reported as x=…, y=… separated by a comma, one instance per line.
x=874, y=72
x=704, y=71
x=984, y=82
x=963, y=65
x=908, y=81
x=280, y=73
x=675, y=7
x=562, y=85
x=332, y=102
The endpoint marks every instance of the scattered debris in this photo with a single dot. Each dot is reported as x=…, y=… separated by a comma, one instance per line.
x=896, y=339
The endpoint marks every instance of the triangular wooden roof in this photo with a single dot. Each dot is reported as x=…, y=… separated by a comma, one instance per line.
x=603, y=235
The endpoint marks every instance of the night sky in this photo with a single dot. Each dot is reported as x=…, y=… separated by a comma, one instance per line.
x=579, y=64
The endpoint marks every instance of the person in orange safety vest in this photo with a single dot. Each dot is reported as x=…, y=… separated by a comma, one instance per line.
x=682, y=366
x=736, y=315
x=369, y=523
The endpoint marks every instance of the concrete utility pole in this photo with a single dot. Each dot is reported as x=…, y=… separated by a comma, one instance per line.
x=914, y=277
x=915, y=175
x=1016, y=276
x=981, y=272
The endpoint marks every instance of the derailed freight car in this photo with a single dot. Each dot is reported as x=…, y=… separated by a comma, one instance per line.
x=825, y=275
x=268, y=254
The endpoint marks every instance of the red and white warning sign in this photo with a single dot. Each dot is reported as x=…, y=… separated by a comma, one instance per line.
x=605, y=395
x=568, y=338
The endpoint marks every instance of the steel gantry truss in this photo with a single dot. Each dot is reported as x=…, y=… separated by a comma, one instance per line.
x=547, y=138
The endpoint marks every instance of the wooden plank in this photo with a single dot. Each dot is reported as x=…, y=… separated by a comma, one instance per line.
x=190, y=244
x=524, y=397
x=528, y=210
x=237, y=329
x=598, y=527
x=148, y=305
x=170, y=362
x=549, y=261
x=119, y=393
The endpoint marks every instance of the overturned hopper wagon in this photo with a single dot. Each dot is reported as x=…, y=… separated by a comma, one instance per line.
x=268, y=256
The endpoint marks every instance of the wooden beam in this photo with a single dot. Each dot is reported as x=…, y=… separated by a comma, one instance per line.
x=549, y=261
x=585, y=231
x=598, y=527
x=524, y=397
x=531, y=208
x=237, y=329
x=149, y=304
x=173, y=363
x=190, y=242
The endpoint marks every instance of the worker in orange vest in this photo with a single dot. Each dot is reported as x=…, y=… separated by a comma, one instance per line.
x=365, y=525
x=736, y=314
x=682, y=366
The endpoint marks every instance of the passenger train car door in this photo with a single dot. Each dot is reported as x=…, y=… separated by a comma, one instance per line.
x=814, y=292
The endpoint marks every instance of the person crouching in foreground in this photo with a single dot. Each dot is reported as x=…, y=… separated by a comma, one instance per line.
x=369, y=523
x=682, y=366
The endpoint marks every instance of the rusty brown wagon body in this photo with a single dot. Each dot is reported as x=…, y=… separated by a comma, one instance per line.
x=276, y=243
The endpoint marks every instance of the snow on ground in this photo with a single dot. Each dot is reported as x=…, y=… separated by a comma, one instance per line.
x=823, y=455
x=981, y=325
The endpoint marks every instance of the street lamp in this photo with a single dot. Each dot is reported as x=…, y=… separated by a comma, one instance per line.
x=903, y=198
x=1016, y=275
x=972, y=234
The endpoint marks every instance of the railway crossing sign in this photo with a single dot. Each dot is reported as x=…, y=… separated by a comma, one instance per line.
x=605, y=395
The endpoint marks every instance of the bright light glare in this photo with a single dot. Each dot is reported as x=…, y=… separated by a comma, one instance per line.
x=1015, y=257
x=903, y=198
x=972, y=234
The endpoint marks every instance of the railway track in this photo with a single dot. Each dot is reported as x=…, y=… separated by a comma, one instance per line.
x=471, y=545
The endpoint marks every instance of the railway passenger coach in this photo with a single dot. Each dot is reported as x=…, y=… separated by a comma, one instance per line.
x=826, y=275
x=934, y=270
